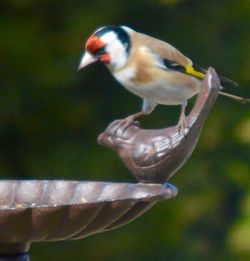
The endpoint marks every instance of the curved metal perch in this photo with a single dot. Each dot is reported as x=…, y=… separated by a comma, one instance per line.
x=155, y=155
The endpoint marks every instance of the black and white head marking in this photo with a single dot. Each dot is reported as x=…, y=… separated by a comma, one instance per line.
x=118, y=43
x=121, y=34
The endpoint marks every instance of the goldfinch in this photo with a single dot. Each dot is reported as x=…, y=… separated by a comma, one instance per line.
x=149, y=68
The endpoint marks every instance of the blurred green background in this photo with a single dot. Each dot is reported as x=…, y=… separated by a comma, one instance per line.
x=50, y=116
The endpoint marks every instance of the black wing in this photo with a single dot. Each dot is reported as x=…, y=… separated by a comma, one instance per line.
x=195, y=71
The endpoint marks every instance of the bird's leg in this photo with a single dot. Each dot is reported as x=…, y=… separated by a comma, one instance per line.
x=131, y=118
x=182, y=124
x=147, y=108
x=123, y=124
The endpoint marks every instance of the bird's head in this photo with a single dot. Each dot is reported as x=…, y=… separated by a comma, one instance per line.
x=110, y=45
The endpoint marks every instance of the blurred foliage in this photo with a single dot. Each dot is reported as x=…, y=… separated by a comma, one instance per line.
x=50, y=116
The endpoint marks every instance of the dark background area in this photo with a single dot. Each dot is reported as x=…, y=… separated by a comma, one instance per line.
x=50, y=116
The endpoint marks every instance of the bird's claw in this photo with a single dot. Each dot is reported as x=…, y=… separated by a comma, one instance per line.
x=122, y=125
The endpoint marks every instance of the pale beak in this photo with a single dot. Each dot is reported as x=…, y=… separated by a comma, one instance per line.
x=86, y=60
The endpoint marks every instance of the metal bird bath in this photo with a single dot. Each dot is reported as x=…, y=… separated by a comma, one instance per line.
x=35, y=211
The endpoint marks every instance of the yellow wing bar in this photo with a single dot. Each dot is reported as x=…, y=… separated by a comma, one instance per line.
x=195, y=71
x=192, y=70
x=189, y=69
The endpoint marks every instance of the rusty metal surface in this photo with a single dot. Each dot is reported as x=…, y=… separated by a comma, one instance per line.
x=32, y=211
x=154, y=155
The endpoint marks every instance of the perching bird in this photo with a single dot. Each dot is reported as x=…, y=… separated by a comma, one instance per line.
x=149, y=68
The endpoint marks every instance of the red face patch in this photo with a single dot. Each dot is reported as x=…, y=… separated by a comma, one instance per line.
x=105, y=58
x=94, y=44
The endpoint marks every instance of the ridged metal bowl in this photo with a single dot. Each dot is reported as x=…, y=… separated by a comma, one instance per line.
x=33, y=211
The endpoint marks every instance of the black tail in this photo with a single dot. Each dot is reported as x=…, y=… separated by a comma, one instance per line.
x=227, y=81
x=223, y=79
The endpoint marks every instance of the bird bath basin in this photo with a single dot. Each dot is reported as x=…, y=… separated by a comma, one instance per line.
x=35, y=211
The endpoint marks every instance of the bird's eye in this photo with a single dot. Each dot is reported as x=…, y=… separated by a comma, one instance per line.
x=99, y=51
